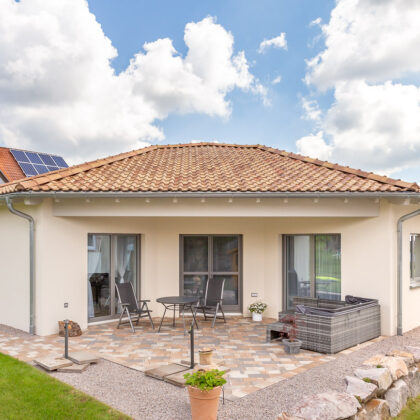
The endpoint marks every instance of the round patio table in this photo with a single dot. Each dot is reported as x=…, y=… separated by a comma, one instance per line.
x=179, y=303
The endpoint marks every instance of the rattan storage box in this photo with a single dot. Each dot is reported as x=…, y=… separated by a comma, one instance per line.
x=330, y=327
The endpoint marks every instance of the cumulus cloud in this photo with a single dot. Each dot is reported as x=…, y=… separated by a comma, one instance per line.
x=277, y=42
x=370, y=40
x=59, y=92
x=374, y=120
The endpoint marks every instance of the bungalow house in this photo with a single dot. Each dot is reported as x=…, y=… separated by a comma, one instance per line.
x=273, y=224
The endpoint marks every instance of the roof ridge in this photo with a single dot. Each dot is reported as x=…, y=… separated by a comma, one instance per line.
x=353, y=171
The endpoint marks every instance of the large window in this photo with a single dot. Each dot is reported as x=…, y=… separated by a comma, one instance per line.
x=312, y=267
x=209, y=256
x=415, y=260
x=112, y=259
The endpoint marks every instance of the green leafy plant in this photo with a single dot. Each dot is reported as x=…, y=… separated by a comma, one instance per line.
x=205, y=380
x=257, y=307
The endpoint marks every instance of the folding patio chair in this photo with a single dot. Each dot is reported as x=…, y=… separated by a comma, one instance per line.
x=132, y=307
x=213, y=298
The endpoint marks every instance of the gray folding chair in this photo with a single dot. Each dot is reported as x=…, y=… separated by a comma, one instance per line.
x=132, y=307
x=213, y=299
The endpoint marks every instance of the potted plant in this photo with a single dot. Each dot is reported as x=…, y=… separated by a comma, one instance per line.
x=291, y=344
x=204, y=387
x=257, y=309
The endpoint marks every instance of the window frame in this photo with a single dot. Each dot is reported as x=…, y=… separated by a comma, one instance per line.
x=312, y=262
x=228, y=308
x=414, y=281
x=113, y=297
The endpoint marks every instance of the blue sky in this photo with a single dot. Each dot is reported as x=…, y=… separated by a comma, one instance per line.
x=131, y=24
x=92, y=78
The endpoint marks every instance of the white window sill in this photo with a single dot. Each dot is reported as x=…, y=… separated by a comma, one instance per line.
x=415, y=285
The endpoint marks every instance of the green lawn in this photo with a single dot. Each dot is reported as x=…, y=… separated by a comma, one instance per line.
x=27, y=393
x=411, y=411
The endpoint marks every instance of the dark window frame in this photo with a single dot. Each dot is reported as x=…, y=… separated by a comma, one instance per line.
x=313, y=267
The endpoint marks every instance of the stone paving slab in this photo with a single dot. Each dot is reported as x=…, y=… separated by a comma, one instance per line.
x=82, y=358
x=53, y=363
x=161, y=372
x=239, y=345
x=74, y=368
x=177, y=378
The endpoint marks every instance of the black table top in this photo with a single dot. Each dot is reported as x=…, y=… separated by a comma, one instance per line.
x=178, y=300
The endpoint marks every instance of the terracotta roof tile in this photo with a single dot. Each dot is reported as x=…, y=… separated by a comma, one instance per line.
x=209, y=167
x=8, y=165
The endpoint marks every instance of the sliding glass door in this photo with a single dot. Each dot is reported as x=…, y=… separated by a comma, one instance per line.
x=312, y=267
x=210, y=256
x=111, y=259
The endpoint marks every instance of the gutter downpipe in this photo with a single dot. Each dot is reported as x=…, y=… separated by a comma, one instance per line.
x=399, y=265
x=31, y=221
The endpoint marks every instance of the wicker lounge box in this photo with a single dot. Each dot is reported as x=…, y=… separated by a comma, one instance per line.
x=329, y=326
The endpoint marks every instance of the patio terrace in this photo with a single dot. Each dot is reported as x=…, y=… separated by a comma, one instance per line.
x=239, y=345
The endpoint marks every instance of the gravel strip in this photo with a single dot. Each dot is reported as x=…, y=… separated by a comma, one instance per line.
x=141, y=397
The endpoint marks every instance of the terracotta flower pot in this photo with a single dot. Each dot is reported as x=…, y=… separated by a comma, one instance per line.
x=204, y=404
x=206, y=356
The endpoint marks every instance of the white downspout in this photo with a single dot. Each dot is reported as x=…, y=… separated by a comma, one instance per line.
x=31, y=262
x=399, y=268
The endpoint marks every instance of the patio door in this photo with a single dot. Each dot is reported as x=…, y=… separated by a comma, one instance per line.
x=209, y=256
x=312, y=267
x=112, y=259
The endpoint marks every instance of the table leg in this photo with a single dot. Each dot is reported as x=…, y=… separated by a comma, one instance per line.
x=173, y=322
x=163, y=316
x=183, y=315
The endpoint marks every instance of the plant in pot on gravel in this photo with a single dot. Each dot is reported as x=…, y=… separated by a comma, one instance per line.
x=257, y=309
x=204, y=387
x=291, y=344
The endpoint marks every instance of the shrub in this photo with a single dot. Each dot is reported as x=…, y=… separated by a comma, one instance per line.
x=205, y=380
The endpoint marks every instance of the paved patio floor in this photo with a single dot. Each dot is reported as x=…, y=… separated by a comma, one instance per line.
x=239, y=344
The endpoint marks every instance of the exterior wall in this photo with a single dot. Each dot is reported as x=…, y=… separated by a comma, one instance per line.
x=368, y=258
x=411, y=296
x=14, y=270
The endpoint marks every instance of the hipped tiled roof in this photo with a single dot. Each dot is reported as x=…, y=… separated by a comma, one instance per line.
x=209, y=167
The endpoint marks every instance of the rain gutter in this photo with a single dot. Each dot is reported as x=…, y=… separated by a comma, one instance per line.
x=400, y=222
x=209, y=194
x=31, y=221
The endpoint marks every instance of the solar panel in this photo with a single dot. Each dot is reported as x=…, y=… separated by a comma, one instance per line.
x=34, y=158
x=33, y=163
x=60, y=162
x=28, y=169
x=19, y=155
x=48, y=160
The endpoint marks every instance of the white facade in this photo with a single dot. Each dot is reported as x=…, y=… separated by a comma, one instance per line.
x=368, y=250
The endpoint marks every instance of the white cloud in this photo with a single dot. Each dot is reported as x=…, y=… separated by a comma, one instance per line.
x=314, y=145
x=277, y=42
x=311, y=110
x=276, y=80
x=374, y=121
x=59, y=93
x=368, y=39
